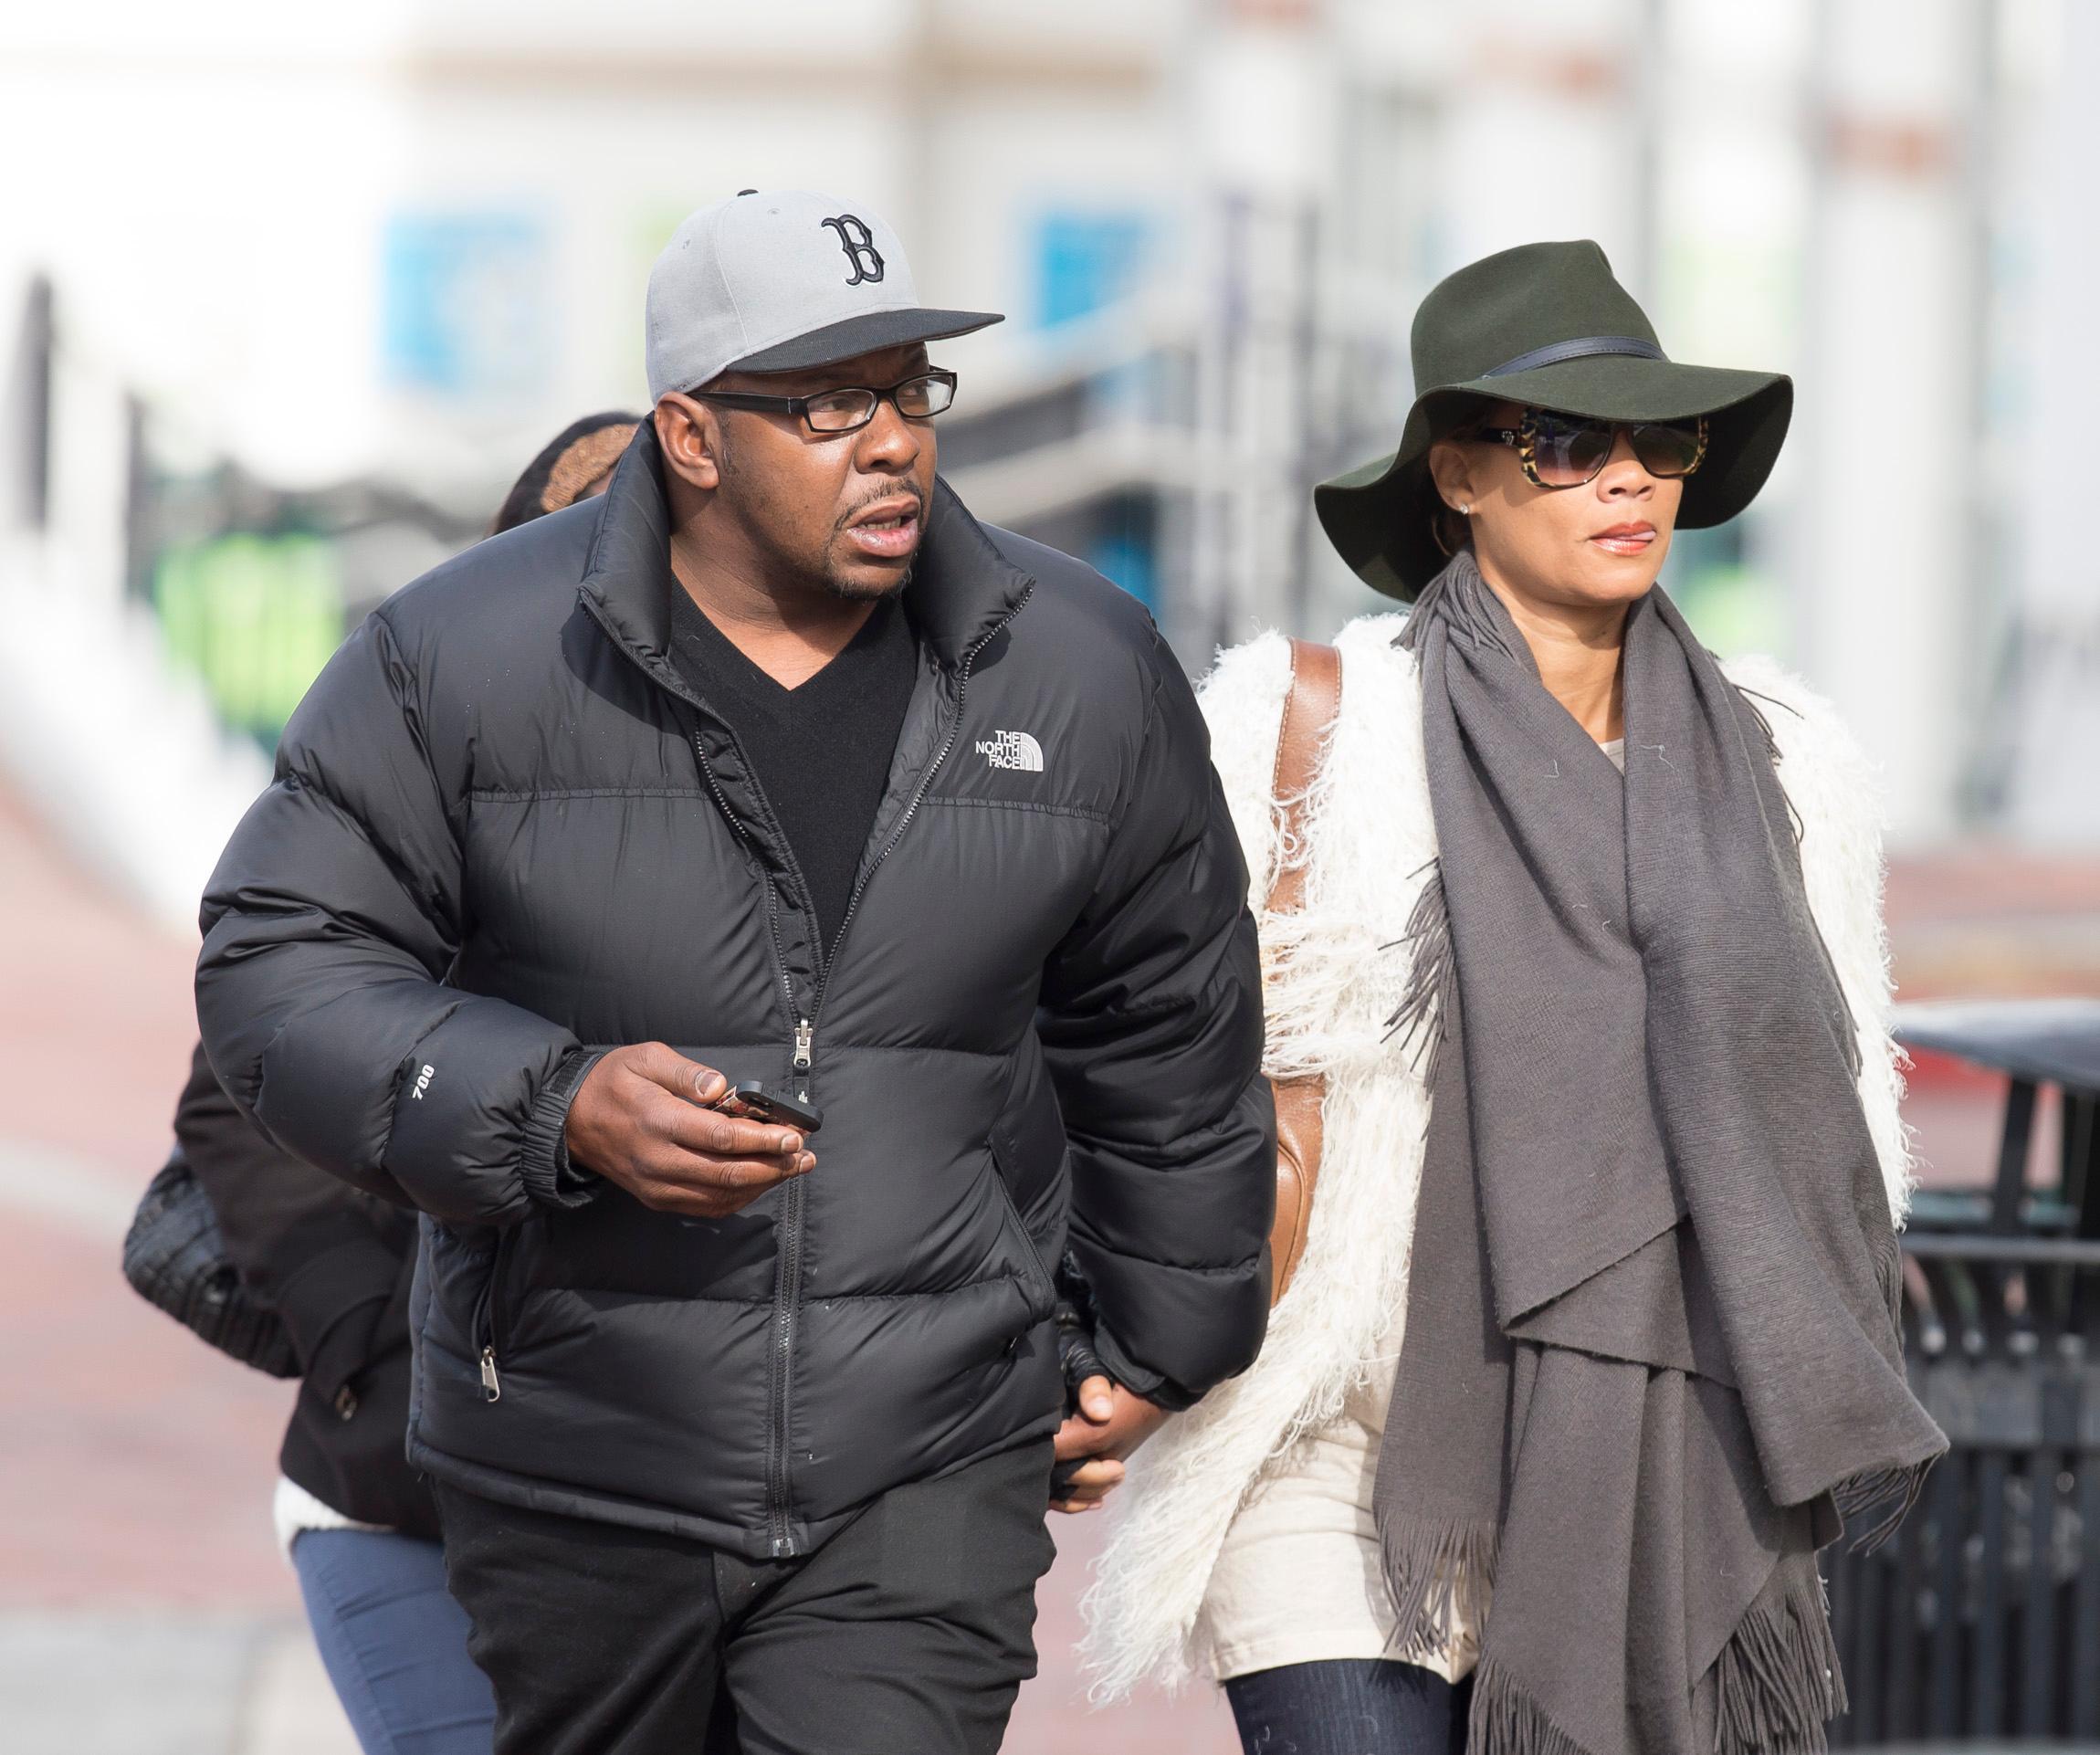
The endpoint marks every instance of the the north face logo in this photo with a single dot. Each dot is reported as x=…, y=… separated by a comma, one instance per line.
x=1012, y=750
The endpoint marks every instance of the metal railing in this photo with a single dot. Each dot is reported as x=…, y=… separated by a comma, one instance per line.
x=1980, y=1618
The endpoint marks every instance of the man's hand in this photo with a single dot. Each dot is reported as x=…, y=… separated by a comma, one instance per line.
x=1111, y=1424
x=643, y=1119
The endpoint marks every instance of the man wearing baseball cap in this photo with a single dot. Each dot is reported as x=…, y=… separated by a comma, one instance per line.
x=771, y=767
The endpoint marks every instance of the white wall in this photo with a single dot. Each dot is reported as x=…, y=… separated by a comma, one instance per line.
x=2046, y=488
x=213, y=195
x=213, y=188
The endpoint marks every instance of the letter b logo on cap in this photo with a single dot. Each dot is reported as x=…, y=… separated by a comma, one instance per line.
x=858, y=242
x=752, y=283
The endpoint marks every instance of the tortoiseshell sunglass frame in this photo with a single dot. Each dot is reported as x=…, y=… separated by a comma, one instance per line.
x=1524, y=436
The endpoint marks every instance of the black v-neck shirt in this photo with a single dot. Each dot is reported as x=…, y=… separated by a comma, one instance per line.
x=822, y=751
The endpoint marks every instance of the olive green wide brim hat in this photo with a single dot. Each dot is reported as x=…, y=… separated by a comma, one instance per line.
x=1545, y=325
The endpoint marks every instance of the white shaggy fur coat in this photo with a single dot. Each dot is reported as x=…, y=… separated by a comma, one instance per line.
x=1334, y=975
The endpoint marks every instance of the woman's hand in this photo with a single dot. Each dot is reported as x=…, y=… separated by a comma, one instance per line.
x=1111, y=1423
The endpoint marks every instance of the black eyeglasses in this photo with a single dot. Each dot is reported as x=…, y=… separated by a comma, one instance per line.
x=848, y=411
x=1562, y=451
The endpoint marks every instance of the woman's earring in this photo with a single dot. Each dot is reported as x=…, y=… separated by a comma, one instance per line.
x=1465, y=510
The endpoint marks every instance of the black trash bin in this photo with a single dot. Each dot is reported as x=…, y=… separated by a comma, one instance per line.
x=1980, y=1617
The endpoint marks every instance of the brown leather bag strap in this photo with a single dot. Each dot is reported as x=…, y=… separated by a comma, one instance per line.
x=1309, y=710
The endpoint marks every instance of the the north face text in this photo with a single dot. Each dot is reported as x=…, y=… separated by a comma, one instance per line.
x=1012, y=750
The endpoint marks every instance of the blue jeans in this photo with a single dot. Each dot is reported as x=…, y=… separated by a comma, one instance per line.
x=393, y=1643
x=1369, y=1706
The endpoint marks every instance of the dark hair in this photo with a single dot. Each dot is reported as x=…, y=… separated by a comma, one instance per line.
x=528, y=498
x=1449, y=528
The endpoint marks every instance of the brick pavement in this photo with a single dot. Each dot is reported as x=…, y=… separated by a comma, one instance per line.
x=147, y=1457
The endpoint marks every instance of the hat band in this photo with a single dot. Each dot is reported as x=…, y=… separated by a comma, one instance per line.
x=1580, y=348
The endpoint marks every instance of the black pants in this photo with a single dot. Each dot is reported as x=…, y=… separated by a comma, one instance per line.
x=908, y=1633
x=1349, y=1706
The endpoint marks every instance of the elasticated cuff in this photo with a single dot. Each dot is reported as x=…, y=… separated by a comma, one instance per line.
x=1135, y=1378
x=548, y=1173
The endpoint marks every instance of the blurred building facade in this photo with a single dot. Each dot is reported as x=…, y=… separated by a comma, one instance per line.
x=298, y=289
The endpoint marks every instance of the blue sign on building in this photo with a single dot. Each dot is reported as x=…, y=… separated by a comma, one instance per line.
x=1085, y=260
x=465, y=303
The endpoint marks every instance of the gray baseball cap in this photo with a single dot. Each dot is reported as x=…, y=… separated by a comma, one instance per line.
x=776, y=280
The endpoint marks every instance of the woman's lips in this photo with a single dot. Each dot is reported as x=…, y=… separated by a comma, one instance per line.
x=1626, y=539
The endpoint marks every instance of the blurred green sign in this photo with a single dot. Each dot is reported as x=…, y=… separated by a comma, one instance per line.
x=255, y=617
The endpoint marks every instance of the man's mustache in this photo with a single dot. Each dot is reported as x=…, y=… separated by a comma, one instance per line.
x=900, y=490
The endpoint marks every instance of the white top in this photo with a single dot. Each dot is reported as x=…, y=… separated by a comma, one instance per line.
x=1301, y=1579
x=294, y=1509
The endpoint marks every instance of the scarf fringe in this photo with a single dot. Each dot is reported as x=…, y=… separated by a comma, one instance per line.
x=1885, y=1496
x=1750, y=698
x=1505, y=1720
x=1432, y=1571
x=1777, y=1683
x=1418, y=1020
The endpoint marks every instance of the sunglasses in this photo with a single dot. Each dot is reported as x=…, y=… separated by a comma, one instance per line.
x=1564, y=451
x=848, y=411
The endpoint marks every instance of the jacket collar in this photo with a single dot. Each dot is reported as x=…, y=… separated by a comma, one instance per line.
x=962, y=586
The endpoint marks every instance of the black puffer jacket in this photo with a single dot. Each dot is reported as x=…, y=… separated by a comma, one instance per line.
x=503, y=830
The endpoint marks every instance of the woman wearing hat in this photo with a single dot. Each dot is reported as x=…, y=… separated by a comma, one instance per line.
x=1591, y=962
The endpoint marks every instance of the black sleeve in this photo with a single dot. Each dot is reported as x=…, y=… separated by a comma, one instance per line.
x=330, y=925
x=1152, y=1024
x=326, y=1257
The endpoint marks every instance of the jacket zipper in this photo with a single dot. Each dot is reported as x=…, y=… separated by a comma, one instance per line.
x=490, y=1325
x=787, y=1298
x=788, y=1287
x=787, y=1284
x=787, y=1290
x=911, y=810
x=788, y=1295
x=1034, y=1269
x=772, y=897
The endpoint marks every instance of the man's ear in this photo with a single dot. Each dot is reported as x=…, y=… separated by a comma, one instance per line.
x=689, y=436
x=1452, y=471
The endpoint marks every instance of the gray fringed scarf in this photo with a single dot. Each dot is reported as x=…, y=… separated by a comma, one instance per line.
x=1652, y=1360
